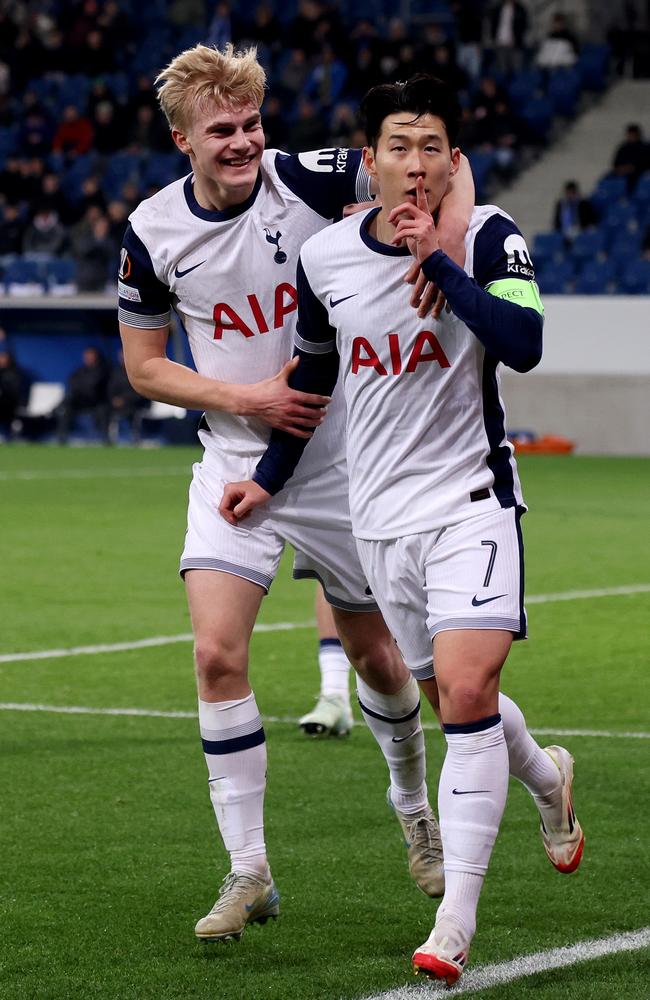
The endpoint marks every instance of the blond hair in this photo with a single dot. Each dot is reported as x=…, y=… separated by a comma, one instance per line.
x=204, y=74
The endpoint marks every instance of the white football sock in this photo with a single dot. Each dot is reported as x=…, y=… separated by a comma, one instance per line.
x=394, y=721
x=531, y=765
x=235, y=752
x=471, y=799
x=334, y=669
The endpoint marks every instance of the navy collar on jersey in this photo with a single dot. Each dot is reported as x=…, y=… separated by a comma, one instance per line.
x=213, y=215
x=374, y=244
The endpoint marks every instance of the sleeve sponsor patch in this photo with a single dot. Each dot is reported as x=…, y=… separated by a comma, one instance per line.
x=128, y=293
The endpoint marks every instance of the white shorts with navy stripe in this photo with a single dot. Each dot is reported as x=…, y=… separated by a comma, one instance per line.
x=467, y=576
x=312, y=515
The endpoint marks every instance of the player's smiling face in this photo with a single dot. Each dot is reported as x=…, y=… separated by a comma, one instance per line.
x=409, y=147
x=225, y=147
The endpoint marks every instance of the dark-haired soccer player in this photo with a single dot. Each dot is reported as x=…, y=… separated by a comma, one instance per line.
x=435, y=497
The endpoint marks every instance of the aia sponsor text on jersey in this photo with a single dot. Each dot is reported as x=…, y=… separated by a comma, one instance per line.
x=389, y=359
x=251, y=319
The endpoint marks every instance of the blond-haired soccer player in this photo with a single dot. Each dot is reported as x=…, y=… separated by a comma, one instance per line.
x=220, y=247
x=435, y=497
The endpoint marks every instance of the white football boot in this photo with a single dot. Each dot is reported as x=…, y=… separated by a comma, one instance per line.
x=332, y=716
x=564, y=844
x=423, y=849
x=243, y=899
x=444, y=954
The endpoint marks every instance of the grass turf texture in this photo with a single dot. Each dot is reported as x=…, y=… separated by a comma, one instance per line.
x=109, y=852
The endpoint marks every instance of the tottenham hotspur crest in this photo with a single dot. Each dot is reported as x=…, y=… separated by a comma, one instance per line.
x=279, y=256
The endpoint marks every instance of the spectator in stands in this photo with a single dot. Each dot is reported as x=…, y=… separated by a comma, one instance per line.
x=509, y=24
x=275, y=125
x=148, y=132
x=560, y=47
x=294, y=73
x=45, y=233
x=91, y=196
x=95, y=253
x=11, y=181
x=74, y=136
x=224, y=26
x=308, y=28
x=12, y=385
x=124, y=402
x=266, y=29
x=326, y=80
x=444, y=66
x=469, y=30
x=118, y=214
x=86, y=393
x=308, y=130
x=187, y=13
x=573, y=213
x=35, y=135
x=12, y=229
x=109, y=134
x=52, y=196
x=632, y=158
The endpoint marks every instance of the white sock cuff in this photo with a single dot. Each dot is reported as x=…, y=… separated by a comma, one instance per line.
x=393, y=707
x=236, y=718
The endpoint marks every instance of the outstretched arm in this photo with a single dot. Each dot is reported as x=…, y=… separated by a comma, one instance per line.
x=154, y=375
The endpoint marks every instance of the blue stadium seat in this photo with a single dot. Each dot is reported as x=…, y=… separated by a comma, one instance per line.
x=23, y=276
x=61, y=275
x=547, y=246
x=162, y=168
x=481, y=163
x=563, y=91
x=642, y=192
x=538, y=112
x=597, y=278
x=623, y=250
x=593, y=66
x=608, y=190
x=523, y=86
x=556, y=277
x=588, y=245
x=635, y=280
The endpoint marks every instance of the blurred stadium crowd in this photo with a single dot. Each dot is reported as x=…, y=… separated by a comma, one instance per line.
x=82, y=140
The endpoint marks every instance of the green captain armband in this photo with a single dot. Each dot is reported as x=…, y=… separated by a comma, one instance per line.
x=522, y=293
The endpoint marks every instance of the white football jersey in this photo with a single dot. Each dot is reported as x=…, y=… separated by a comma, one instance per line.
x=426, y=437
x=231, y=278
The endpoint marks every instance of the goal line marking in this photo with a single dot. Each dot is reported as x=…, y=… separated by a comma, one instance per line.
x=166, y=640
x=486, y=976
x=153, y=713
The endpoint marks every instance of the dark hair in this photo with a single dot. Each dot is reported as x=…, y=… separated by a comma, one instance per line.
x=422, y=94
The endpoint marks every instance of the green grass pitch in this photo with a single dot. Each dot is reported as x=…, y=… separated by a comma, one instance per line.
x=108, y=847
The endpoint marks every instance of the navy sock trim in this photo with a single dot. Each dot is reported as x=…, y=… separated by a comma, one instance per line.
x=234, y=745
x=324, y=643
x=387, y=718
x=472, y=727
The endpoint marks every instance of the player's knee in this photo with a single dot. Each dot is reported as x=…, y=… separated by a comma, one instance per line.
x=217, y=660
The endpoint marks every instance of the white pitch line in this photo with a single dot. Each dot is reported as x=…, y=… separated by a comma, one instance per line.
x=27, y=475
x=486, y=976
x=581, y=595
x=121, y=647
x=153, y=713
x=165, y=640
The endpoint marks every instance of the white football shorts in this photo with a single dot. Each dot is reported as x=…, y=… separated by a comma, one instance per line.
x=313, y=516
x=467, y=576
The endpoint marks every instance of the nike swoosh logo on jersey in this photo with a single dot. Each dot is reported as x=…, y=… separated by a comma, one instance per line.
x=486, y=600
x=181, y=274
x=337, y=302
x=470, y=791
x=400, y=739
